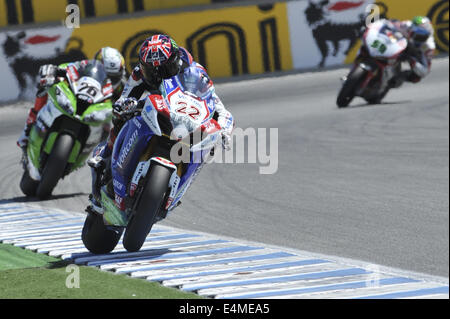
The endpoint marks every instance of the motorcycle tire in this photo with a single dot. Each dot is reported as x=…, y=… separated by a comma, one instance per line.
x=55, y=166
x=28, y=185
x=97, y=237
x=347, y=92
x=379, y=98
x=148, y=208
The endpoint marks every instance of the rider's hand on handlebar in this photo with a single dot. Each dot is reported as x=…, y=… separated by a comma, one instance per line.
x=126, y=107
x=226, y=141
x=47, y=70
x=47, y=75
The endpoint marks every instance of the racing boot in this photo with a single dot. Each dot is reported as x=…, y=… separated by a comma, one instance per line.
x=98, y=163
x=22, y=142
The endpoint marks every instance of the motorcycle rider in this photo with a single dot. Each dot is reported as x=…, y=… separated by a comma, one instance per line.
x=111, y=59
x=419, y=53
x=114, y=64
x=159, y=58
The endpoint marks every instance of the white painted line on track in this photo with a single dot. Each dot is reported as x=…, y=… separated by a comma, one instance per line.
x=213, y=266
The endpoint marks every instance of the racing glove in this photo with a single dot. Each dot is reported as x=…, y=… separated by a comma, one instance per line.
x=226, y=141
x=125, y=108
x=47, y=75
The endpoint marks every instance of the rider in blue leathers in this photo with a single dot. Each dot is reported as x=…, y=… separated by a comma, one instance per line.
x=159, y=58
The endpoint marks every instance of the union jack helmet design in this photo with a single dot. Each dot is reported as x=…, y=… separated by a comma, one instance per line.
x=159, y=57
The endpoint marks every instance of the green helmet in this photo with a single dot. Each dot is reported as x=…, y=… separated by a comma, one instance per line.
x=423, y=22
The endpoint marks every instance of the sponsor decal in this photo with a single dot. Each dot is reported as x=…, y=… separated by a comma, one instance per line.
x=141, y=170
x=107, y=89
x=137, y=123
x=149, y=114
x=439, y=14
x=133, y=188
x=169, y=202
x=118, y=185
x=158, y=103
x=126, y=149
x=118, y=201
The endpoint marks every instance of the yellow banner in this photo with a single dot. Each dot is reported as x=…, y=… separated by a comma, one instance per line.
x=229, y=41
x=14, y=12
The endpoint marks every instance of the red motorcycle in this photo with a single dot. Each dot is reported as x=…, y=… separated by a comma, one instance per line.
x=378, y=62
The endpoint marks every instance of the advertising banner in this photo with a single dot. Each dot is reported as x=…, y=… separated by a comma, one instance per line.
x=230, y=41
x=323, y=33
x=326, y=32
x=22, y=53
x=13, y=12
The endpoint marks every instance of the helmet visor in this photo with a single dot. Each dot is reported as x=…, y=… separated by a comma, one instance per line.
x=115, y=79
x=162, y=71
x=420, y=35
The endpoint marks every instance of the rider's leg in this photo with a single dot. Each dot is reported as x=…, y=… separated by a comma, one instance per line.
x=40, y=101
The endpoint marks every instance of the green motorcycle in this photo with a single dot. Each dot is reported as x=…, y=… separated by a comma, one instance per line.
x=67, y=128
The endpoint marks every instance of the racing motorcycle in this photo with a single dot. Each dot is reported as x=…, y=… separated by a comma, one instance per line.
x=378, y=62
x=67, y=128
x=156, y=156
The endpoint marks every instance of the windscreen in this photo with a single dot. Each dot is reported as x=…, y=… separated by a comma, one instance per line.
x=93, y=69
x=195, y=81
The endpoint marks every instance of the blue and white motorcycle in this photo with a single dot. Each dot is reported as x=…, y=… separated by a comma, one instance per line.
x=155, y=158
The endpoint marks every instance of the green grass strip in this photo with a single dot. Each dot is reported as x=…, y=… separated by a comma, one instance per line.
x=27, y=275
x=12, y=257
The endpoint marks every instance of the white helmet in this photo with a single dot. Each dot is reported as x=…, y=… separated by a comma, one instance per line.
x=113, y=62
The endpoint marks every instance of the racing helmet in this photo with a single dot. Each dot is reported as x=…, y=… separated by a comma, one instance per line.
x=113, y=62
x=421, y=29
x=159, y=58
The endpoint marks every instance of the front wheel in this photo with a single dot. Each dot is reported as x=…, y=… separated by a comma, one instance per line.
x=28, y=185
x=150, y=203
x=97, y=237
x=379, y=98
x=55, y=165
x=348, y=90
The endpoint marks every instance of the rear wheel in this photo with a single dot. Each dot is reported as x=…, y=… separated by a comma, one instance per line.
x=55, y=165
x=97, y=237
x=348, y=90
x=148, y=208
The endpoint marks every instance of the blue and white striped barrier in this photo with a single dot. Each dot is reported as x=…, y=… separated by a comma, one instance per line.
x=215, y=267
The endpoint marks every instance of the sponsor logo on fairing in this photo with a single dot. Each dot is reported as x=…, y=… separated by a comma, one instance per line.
x=141, y=170
x=118, y=201
x=136, y=122
x=173, y=183
x=124, y=152
x=133, y=188
x=118, y=185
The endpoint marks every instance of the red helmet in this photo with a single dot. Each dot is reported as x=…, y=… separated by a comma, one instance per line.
x=159, y=58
